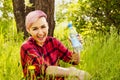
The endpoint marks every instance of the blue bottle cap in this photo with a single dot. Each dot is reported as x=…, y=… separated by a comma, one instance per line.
x=69, y=25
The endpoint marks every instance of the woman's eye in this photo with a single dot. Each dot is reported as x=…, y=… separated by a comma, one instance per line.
x=43, y=26
x=34, y=29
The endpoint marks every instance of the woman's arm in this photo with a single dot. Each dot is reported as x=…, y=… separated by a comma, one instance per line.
x=66, y=72
x=60, y=71
x=75, y=58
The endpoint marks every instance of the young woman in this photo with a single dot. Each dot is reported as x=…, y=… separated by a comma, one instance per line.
x=44, y=52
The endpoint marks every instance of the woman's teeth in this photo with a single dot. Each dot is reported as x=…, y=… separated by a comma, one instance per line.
x=40, y=36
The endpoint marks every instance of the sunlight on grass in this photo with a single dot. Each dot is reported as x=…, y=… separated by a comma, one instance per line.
x=100, y=56
x=10, y=67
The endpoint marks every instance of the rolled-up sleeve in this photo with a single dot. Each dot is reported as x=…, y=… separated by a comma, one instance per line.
x=64, y=53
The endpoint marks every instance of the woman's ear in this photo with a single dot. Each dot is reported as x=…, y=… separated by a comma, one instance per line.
x=28, y=30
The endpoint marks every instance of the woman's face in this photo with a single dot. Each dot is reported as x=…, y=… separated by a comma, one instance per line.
x=39, y=30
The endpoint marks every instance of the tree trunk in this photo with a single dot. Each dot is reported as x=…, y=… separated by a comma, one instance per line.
x=48, y=7
x=30, y=8
x=19, y=13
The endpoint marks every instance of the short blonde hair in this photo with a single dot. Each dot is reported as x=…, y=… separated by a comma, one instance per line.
x=32, y=17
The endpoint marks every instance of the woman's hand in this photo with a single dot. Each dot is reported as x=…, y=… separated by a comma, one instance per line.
x=76, y=58
x=82, y=75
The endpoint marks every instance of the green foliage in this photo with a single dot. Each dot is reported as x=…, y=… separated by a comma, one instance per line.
x=6, y=9
x=10, y=41
x=61, y=12
x=106, y=11
x=10, y=62
x=10, y=67
x=101, y=56
x=6, y=17
x=89, y=16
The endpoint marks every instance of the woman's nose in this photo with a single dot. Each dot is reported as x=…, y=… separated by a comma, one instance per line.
x=40, y=32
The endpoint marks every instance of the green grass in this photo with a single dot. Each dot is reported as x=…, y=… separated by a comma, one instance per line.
x=100, y=56
x=10, y=68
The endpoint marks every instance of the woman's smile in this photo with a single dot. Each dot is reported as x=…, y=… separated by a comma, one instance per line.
x=40, y=37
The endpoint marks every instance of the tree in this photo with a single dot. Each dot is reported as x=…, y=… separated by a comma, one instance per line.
x=5, y=16
x=103, y=14
x=107, y=12
x=91, y=16
x=19, y=13
x=21, y=10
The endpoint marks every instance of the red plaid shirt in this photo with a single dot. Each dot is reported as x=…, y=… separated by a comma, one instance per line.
x=41, y=57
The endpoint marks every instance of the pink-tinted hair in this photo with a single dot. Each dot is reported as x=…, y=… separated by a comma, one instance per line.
x=33, y=16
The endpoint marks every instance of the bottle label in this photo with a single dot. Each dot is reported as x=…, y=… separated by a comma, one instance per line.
x=75, y=42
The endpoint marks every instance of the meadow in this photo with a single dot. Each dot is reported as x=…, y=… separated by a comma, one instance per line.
x=100, y=56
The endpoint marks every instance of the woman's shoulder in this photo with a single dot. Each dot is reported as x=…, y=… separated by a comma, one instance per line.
x=28, y=43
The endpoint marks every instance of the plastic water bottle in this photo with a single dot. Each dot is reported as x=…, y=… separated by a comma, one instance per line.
x=77, y=46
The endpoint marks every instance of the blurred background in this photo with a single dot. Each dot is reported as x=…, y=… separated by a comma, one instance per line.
x=97, y=21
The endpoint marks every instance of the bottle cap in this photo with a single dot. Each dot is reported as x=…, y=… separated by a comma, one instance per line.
x=69, y=25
